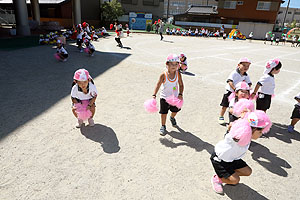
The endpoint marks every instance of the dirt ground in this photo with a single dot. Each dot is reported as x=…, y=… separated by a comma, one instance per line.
x=43, y=155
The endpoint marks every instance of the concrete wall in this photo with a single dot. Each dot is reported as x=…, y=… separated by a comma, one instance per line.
x=293, y=14
x=259, y=29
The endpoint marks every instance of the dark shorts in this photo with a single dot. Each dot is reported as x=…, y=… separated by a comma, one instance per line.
x=263, y=101
x=232, y=118
x=92, y=50
x=79, y=41
x=165, y=107
x=296, y=112
x=64, y=55
x=225, y=102
x=226, y=169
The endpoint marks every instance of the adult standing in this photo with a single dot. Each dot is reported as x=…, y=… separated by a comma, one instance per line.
x=161, y=30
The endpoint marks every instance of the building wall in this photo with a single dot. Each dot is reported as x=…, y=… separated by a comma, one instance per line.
x=156, y=7
x=292, y=14
x=247, y=10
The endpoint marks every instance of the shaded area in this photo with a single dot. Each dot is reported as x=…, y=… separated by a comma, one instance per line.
x=188, y=74
x=188, y=139
x=18, y=42
x=280, y=132
x=242, y=192
x=169, y=41
x=32, y=81
x=103, y=135
x=269, y=160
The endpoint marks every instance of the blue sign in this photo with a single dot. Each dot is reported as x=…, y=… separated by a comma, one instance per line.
x=138, y=21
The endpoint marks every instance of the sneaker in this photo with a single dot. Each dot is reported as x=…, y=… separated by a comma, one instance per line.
x=217, y=184
x=290, y=129
x=79, y=124
x=81, y=50
x=173, y=121
x=91, y=122
x=221, y=120
x=163, y=130
x=65, y=60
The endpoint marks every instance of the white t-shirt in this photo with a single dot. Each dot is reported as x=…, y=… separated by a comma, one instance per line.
x=75, y=93
x=170, y=86
x=267, y=83
x=236, y=77
x=228, y=150
x=62, y=50
x=79, y=36
x=91, y=46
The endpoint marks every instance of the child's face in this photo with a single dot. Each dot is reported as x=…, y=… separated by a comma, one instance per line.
x=83, y=84
x=276, y=71
x=256, y=133
x=243, y=94
x=244, y=66
x=172, y=66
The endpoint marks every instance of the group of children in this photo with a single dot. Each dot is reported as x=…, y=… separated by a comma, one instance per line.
x=202, y=33
x=295, y=42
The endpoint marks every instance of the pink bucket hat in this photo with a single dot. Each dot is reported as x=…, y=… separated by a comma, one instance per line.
x=242, y=86
x=270, y=65
x=246, y=60
x=81, y=75
x=260, y=119
x=182, y=55
x=172, y=58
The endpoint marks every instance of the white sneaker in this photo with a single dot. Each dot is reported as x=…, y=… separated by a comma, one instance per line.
x=64, y=60
x=81, y=50
x=91, y=122
x=79, y=124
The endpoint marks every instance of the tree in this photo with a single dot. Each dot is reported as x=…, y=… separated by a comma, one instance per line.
x=293, y=24
x=112, y=10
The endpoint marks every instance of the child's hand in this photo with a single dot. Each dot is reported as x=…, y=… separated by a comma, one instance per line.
x=89, y=107
x=252, y=96
x=180, y=97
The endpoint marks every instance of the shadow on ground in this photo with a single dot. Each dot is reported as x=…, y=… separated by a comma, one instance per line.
x=103, y=135
x=242, y=192
x=279, y=131
x=269, y=160
x=32, y=81
x=188, y=139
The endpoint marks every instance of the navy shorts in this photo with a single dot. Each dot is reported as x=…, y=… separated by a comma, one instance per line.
x=226, y=169
x=225, y=101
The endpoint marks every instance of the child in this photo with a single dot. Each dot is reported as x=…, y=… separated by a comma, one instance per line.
x=183, y=63
x=295, y=115
x=79, y=39
x=89, y=46
x=127, y=30
x=118, y=30
x=224, y=36
x=272, y=38
x=266, y=37
x=277, y=41
x=169, y=81
x=242, y=91
x=250, y=36
x=236, y=76
x=83, y=89
x=94, y=36
x=228, y=153
x=283, y=38
x=61, y=52
x=266, y=85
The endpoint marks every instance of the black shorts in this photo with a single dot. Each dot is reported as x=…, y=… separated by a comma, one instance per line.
x=263, y=101
x=232, y=118
x=64, y=55
x=225, y=102
x=165, y=107
x=79, y=41
x=226, y=169
x=296, y=112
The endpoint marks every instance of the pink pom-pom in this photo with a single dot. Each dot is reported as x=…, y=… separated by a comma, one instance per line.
x=81, y=109
x=241, y=131
x=86, y=50
x=243, y=105
x=273, y=95
x=231, y=96
x=151, y=105
x=56, y=56
x=174, y=101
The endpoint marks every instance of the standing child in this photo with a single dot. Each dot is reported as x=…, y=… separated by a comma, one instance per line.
x=79, y=39
x=127, y=30
x=228, y=153
x=266, y=85
x=236, y=76
x=61, y=52
x=83, y=91
x=295, y=115
x=250, y=36
x=118, y=31
x=224, y=36
x=183, y=63
x=170, y=80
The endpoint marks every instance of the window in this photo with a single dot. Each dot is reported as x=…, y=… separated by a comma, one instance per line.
x=148, y=2
x=263, y=5
x=297, y=13
x=230, y=4
x=240, y=3
x=289, y=13
x=126, y=1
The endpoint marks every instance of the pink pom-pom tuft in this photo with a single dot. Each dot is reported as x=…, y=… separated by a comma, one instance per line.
x=151, y=105
x=241, y=131
x=174, y=101
x=243, y=105
x=231, y=96
x=81, y=109
x=56, y=56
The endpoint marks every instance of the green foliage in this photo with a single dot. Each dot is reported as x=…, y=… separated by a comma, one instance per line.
x=111, y=11
x=293, y=24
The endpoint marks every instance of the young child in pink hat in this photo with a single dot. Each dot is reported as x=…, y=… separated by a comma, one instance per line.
x=228, y=153
x=170, y=81
x=266, y=85
x=183, y=63
x=295, y=115
x=83, y=92
x=236, y=76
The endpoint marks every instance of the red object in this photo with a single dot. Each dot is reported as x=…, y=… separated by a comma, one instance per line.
x=111, y=26
x=102, y=33
x=158, y=20
x=84, y=24
x=155, y=22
